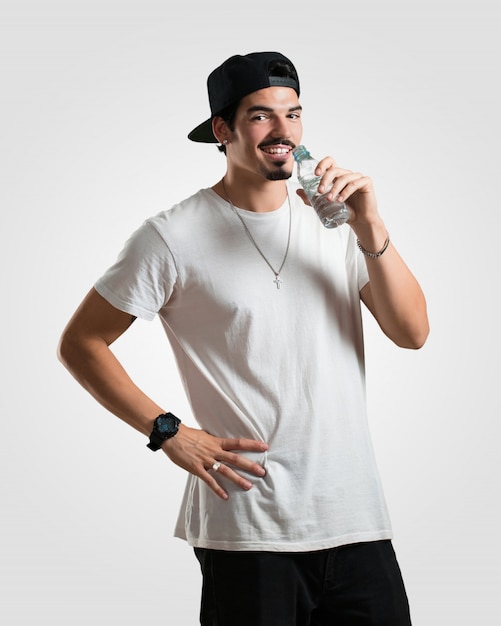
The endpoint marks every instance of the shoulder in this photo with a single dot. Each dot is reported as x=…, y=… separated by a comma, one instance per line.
x=192, y=214
x=185, y=209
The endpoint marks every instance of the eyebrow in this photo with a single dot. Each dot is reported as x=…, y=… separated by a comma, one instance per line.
x=257, y=107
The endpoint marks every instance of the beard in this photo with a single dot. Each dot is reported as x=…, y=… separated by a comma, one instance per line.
x=278, y=173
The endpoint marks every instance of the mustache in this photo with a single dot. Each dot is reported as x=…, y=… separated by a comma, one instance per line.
x=277, y=142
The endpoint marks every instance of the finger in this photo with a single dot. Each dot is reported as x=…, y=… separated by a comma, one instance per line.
x=330, y=176
x=350, y=184
x=251, y=445
x=209, y=477
x=323, y=165
x=243, y=463
x=235, y=477
x=301, y=193
x=362, y=185
x=239, y=460
x=211, y=482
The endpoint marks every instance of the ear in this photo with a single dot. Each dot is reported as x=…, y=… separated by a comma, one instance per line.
x=220, y=129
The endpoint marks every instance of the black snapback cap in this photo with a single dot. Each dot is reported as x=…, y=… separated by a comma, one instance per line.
x=237, y=77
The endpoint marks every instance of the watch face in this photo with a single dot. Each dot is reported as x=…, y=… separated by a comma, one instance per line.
x=166, y=425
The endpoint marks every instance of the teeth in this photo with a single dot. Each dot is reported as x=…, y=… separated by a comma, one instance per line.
x=277, y=150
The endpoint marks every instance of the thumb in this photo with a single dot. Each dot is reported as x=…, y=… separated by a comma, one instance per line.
x=301, y=193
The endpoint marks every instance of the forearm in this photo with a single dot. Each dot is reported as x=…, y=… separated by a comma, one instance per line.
x=394, y=295
x=96, y=368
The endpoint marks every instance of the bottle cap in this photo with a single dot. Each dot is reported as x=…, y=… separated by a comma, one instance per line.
x=299, y=153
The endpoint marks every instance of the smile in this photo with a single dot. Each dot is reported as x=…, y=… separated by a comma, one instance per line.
x=277, y=150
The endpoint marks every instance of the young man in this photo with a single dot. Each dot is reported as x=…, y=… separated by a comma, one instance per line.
x=261, y=305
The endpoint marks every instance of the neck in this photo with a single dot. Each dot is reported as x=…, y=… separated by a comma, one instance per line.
x=263, y=197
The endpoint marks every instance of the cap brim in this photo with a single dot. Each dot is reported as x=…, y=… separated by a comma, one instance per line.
x=203, y=133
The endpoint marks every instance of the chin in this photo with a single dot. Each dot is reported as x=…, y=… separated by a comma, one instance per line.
x=278, y=174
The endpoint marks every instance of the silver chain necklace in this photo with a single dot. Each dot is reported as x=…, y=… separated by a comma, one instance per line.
x=277, y=280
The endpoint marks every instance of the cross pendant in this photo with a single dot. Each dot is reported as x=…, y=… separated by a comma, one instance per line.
x=277, y=281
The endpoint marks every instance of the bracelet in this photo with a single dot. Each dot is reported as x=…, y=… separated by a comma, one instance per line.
x=374, y=255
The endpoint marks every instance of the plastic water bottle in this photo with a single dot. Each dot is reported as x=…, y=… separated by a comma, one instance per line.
x=330, y=212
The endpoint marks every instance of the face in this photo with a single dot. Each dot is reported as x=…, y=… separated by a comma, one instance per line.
x=267, y=127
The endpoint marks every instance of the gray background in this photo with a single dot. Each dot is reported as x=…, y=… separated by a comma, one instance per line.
x=96, y=102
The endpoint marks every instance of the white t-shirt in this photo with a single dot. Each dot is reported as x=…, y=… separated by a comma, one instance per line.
x=284, y=366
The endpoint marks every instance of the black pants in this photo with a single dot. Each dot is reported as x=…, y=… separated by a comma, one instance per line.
x=353, y=585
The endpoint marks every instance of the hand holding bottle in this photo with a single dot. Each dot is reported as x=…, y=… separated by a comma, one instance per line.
x=353, y=190
x=331, y=212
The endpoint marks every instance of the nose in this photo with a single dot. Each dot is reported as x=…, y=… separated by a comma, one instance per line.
x=281, y=128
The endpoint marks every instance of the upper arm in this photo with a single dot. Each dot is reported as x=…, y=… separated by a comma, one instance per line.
x=96, y=319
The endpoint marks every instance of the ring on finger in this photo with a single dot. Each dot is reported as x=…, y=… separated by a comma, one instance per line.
x=216, y=466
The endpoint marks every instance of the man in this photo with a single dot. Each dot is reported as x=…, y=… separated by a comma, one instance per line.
x=261, y=305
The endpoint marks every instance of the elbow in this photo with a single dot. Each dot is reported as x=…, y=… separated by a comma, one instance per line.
x=414, y=328
x=67, y=350
x=63, y=350
x=415, y=344
x=422, y=338
x=413, y=339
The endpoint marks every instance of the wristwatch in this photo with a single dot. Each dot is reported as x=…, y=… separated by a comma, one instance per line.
x=165, y=427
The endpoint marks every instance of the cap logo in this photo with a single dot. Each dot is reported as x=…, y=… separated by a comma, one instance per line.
x=283, y=81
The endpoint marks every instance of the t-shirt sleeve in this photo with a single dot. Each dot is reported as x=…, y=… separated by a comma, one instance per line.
x=363, y=274
x=356, y=260
x=142, y=279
